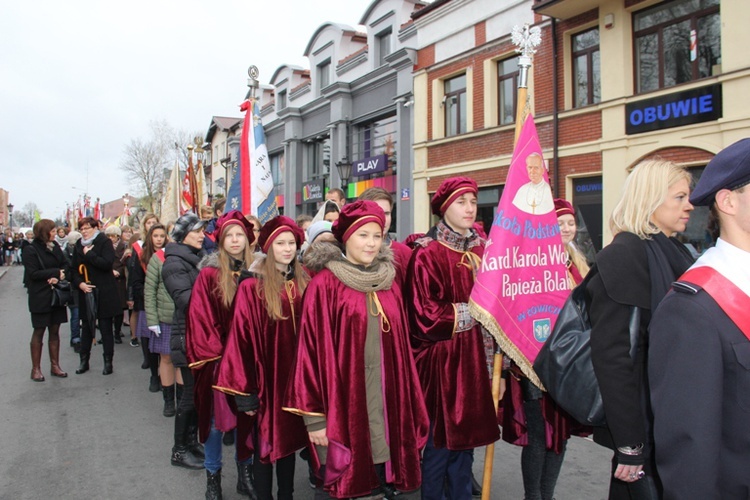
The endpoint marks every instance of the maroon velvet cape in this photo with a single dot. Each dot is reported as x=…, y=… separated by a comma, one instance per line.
x=401, y=258
x=452, y=366
x=329, y=381
x=258, y=360
x=207, y=325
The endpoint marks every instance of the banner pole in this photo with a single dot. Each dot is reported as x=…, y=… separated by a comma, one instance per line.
x=526, y=40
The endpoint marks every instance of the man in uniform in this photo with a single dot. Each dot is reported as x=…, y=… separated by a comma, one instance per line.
x=699, y=354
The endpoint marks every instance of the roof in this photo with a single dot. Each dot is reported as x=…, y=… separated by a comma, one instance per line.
x=429, y=8
x=221, y=123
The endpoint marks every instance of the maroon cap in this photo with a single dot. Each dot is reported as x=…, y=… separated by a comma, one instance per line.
x=563, y=207
x=276, y=226
x=449, y=190
x=355, y=215
x=234, y=217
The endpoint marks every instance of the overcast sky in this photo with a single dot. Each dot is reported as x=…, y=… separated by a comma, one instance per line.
x=80, y=79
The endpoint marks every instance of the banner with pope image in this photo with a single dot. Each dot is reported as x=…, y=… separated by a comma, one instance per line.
x=522, y=282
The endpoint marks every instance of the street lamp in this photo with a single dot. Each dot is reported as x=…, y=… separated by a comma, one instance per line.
x=345, y=171
x=10, y=214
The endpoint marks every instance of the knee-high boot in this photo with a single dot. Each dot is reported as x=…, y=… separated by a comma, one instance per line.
x=84, y=366
x=54, y=358
x=193, y=444
x=36, y=360
x=181, y=455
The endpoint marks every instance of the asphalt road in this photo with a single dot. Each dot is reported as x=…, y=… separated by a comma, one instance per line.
x=103, y=437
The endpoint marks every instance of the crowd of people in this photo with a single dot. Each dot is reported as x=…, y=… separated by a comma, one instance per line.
x=325, y=336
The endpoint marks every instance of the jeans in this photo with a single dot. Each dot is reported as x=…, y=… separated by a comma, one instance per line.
x=212, y=448
x=75, y=325
x=439, y=464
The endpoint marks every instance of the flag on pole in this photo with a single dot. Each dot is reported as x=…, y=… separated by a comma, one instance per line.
x=186, y=200
x=252, y=189
x=522, y=281
x=97, y=210
x=201, y=186
x=170, y=201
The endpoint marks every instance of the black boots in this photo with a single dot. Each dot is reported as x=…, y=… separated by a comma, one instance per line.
x=181, y=455
x=154, y=385
x=169, y=408
x=213, y=485
x=195, y=447
x=245, y=485
x=107, y=364
x=84, y=366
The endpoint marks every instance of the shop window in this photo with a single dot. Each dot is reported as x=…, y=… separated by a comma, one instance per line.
x=454, y=102
x=586, y=68
x=676, y=42
x=376, y=138
x=507, y=90
x=318, y=157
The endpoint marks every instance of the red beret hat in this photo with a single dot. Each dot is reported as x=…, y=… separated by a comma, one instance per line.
x=563, y=207
x=449, y=190
x=355, y=215
x=234, y=217
x=276, y=226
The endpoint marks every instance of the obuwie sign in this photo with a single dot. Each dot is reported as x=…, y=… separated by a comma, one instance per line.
x=698, y=105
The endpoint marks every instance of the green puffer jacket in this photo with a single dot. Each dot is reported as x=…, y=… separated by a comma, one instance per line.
x=158, y=302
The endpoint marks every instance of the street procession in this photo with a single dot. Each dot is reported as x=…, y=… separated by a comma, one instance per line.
x=436, y=250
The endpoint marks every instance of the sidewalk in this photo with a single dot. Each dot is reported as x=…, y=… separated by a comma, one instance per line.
x=3, y=270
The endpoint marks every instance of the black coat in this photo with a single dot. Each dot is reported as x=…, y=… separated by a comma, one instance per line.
x=179, y=273
x=36, y=274
x=98, y=261
x=699, y=372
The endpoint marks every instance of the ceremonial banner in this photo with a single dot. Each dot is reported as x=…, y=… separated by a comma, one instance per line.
x=170, y=201
x=252, y=189
x=522, y=281
x=187, y=202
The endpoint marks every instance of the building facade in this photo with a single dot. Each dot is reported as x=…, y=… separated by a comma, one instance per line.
x=223, y=132
x=613, y=82
x=350, y=111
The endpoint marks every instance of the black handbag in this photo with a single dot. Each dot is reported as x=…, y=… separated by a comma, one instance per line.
x=564, y=364
x=62, y=292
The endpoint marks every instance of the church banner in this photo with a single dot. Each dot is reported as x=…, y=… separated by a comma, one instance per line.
x=522, y=282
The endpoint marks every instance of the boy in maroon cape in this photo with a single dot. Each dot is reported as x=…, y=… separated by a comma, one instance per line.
x=449, y=344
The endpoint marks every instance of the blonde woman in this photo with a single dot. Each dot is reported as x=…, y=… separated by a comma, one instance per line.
x=636, y=269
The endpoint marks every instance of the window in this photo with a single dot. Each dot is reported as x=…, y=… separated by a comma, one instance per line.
x=507, y=90
x=376, y=138
x=318, y=157
x=663, y=37
x=281, y=100
x=383, y=41
x=587, y=81
x=454, y=102
x=277, y=170
x=324, y=74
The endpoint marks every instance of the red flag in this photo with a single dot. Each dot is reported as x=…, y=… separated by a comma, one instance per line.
x=186, y=201
x=97, y=210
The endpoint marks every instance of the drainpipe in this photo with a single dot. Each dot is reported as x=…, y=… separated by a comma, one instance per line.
x=555, y=109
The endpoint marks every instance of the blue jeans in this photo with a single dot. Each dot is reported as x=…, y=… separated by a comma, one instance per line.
x=75, y=325
x=212, y=449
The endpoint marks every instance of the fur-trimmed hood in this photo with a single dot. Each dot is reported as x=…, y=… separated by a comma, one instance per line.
x=210, y=260
x=318, y=254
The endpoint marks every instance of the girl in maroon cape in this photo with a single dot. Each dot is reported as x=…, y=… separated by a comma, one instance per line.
x=208, y=319
x=354, y=381
x=260, y=350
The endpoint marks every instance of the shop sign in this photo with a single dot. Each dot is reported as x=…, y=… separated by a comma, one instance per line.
x=370, y=165
x=313, y=191
x=698, y=105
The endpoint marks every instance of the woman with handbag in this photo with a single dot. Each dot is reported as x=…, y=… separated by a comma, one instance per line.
x=93, y=262
x=530, y=416
x=44, y=267
x=635, y=270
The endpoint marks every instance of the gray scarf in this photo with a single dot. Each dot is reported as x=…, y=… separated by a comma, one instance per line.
x=87, y=242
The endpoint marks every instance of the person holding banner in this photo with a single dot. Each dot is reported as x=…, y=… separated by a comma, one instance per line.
x=355, y=382
x=449, y=344
x=700, y=348
x=530, y=417
x=636, y=269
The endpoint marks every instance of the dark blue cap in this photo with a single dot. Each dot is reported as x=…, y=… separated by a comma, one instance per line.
x=729, y=169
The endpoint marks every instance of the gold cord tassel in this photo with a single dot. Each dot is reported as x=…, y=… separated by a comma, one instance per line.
x=474, y=261
x=291, y=293
x=376, y=309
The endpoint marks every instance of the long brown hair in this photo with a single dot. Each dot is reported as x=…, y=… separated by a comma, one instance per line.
x=148, y=244
x=226, y=286
x=270, y=284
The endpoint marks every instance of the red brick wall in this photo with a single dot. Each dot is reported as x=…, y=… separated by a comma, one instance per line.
x=480, y=33
x=679, y=155
x=570, y=165
x=488, y=177
x=425, y=57
x=542, y=65
x=562, y=27
x=470, y=148
x=581, y=128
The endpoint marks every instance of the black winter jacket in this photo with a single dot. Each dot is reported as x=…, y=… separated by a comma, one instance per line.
x=179, y=273
x=37, y=273
x=98, y=261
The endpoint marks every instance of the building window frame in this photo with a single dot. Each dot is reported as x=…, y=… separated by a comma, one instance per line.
x=384, y=46
x=324, y=74
x=281, y=100
x=593, y=82
x=455, y=105
x=657, y=31
x=504, y=77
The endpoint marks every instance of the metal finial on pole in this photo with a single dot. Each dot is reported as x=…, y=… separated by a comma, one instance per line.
x=252, y=81
x=526, y=39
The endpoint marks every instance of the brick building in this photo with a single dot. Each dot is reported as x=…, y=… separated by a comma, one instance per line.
x=613, y=82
